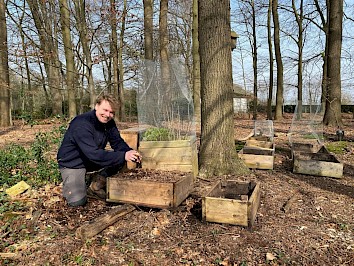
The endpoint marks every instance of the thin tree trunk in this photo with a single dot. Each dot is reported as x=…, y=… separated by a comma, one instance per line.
x=278, y=58
x=121, y=66
x=5, y=109
x=299, y=42
x=69, y=56
x=84, y=39
x=271, y=63
x=196, y=65
x=163, y=32
x=148, y=29
x=254, y=60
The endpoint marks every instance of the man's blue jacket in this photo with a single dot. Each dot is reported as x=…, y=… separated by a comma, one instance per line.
x=85, y=141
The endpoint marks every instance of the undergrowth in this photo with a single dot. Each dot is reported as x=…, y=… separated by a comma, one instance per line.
x=35, y=164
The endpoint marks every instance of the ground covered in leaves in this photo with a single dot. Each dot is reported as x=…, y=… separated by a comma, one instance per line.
x=316, y=228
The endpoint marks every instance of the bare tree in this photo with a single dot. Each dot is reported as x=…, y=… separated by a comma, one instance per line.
x=217, y=151
x=5, y=117
x=69, y=56
x=299, y=42
x=164, y=40
x=333, y=100
x=85, y=41
x=43, y=13
x=278, y=58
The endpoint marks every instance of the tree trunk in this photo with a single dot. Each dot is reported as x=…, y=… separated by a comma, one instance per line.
x=254, y=60
x=148, y=29
x=163, y=33
x=120, y=59
x=196, y=65
x=69, y=56
x=271, y=63
x=299, y=42
x=44, y=19
x=280, y=78
x=218, y=154
x=5, y=109
x=84, y=39
x=332, y=114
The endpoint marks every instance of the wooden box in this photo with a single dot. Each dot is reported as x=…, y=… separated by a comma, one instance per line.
x=258, y=154
x=131, y=136
x=180, y=155
x=321, y=163
x=232, y=202
x=150, y=193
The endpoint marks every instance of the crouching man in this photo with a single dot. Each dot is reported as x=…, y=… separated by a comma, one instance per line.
x=83, y=150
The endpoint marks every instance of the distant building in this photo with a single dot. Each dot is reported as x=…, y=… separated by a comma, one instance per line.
x=241, y=99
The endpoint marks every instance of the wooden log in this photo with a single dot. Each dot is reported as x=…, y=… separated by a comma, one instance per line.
x=100, y=223
x=8, y=255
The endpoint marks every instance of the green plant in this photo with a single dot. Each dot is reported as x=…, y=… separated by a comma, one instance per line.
x=157, y=134
x=337, y=147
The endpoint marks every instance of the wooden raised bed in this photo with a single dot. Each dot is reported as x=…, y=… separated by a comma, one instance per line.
x=180, y=155
x=321, y=163
x=138, y=188
x=232, y=202
x=258, y=154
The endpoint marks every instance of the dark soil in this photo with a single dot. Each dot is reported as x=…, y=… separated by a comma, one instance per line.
x=301, y=220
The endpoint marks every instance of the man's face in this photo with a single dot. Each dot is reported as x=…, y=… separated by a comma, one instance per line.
x=104, y=112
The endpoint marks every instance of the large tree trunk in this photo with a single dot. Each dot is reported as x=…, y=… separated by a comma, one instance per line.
x=148, y=29
x=5, y=117
x=271, y=63
x=333, y=102
x=218, y=154
x=196, y=65
x=69, y=56
x=44, y=19
x=280, y=78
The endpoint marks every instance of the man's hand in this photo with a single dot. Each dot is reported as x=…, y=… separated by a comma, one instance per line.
x=133, y=156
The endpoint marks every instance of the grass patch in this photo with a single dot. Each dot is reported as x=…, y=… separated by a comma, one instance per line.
x=337, y=147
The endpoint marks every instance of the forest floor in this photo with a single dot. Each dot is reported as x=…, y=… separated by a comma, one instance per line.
x=317, y=229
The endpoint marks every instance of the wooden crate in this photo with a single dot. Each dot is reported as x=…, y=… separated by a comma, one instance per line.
x=131, y=136
x=232, y=202
x=258, y=154
x=180, y=155
x=154, y=194
x=321, y=163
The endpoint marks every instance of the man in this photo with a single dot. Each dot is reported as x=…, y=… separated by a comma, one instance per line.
x=83, y=150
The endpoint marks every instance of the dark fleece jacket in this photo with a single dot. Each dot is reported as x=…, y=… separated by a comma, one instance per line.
x=84, y=144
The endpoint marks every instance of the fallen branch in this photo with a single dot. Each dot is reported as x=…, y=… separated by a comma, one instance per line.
x=286, y=207
x=100, y=223
x=8, y=255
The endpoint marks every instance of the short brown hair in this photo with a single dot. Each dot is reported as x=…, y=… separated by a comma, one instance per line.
x=109, y=98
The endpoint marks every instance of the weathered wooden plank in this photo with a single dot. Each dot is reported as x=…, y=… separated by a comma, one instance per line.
x=140, y=192
x=257, y=161
x=100, y=223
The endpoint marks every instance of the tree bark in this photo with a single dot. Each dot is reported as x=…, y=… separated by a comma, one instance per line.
x=278, y=58
x=218, y=154
x=332, y=114
x=5, y=109
x=196, y=65
x=69, y=56
x=299, y=42
x=271, y=63
x=254, y=61
x=148, y=29
x=163, y=33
